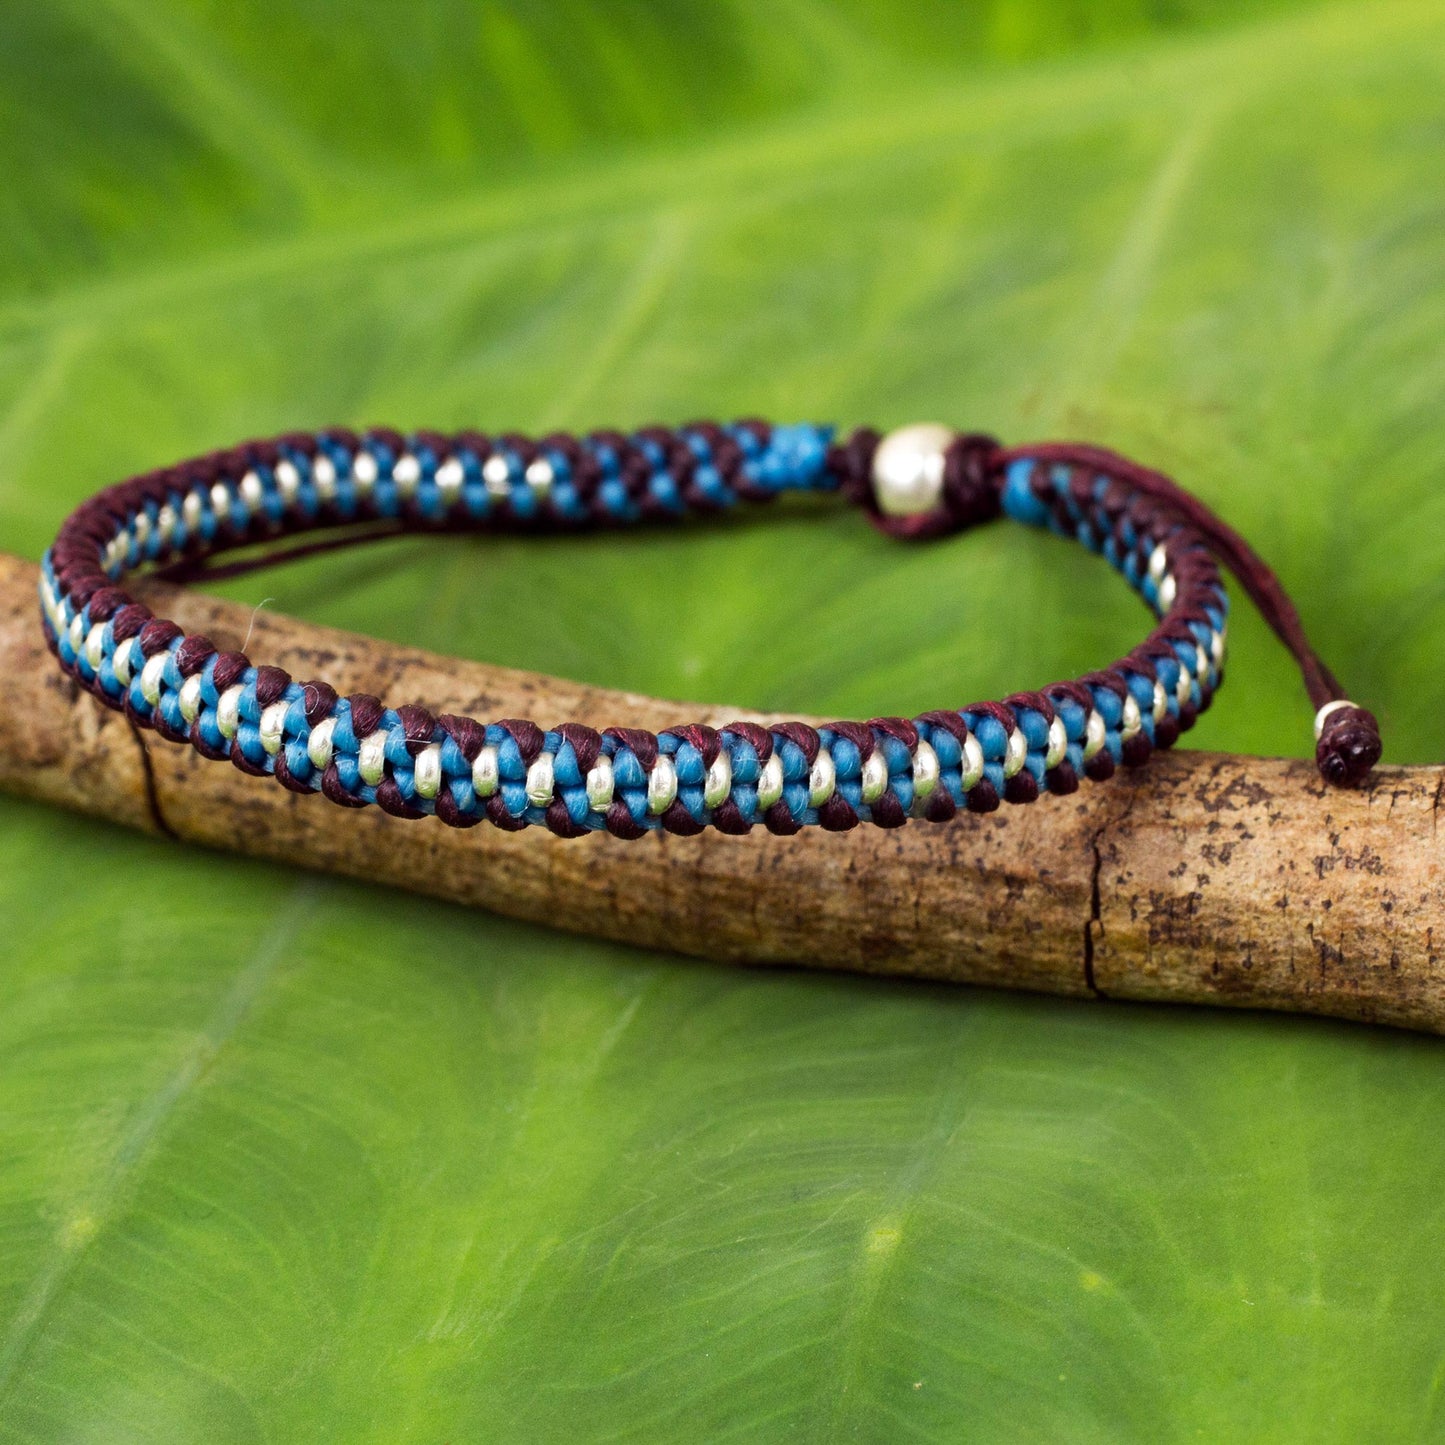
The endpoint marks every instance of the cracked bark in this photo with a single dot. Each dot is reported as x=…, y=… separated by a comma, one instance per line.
x=1203, y=879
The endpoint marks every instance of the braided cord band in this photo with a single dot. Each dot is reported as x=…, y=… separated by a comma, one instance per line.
x=571, y=778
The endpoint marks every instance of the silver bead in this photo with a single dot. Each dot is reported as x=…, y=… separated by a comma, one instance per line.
x=719, y=782
x=1095, y=734
x=371, y=757
x=142, y=528
x=406, y=474
x=1161, y=702
x=486, y=777
x=273, y=726
x=1183, y=690
x=1323, y=715
x=77, y=632
x=288, y=481
x=363, y=471
x=95, y=645
x=221, y=501
x=541, y=780
x=319, y=744
x=540, y=476
x=323, y=475
x=191, y=510
x=1168, y=591
x=908, y=469
x=228, y=711
x=427, y=771
x=1158, y=562
x=497, y=474
x=1015, y=753
x=190, y=697
x=822, y=778
x=661, y=785
x=1201, y=665
x=1217, y=646
x=252, y=492
x=166, y=520
x=124, y=661
x=972, y=767
x=600, y=784
x=770, y=782
x=873, y=782
x=1058, y=748
x=925, y=770
x=150, y=677
x=449, y=479
x=1131, y=723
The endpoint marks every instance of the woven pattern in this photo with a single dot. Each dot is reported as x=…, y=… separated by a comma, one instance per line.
x=569, y=778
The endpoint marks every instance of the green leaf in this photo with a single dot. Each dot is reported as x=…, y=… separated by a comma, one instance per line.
x=288, y=1159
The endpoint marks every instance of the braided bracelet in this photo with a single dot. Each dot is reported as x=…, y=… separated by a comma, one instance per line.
x=919, y=482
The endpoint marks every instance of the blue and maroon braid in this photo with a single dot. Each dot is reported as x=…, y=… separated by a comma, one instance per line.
x=573, y=779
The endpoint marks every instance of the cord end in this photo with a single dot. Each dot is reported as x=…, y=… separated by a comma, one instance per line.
x=1347, y=743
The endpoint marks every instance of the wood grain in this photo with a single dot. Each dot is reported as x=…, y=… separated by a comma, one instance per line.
x=1203, y=879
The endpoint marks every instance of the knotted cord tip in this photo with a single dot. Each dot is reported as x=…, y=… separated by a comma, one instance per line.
x=1348, y=745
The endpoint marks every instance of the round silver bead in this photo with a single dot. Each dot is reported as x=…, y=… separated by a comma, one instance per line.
x=427, y=771
x=273, y=726
x=873, y=782
x=1095, y=734
x=1131, y=723
x=908, y=469
x=600, y=784
x=228, y=711
x=972, y=768
x=252, y=492
x=497, y=474
x=190, y=697
x=925, y=770
x=541, y=780
x=486, y=776
x=1161, y=701
x=822, y=779
x=540, y=476
x=1015, y=753
x=371, y=757
x=449, y=479
x=288, y=481
x=770, y=782
x=323, y=475
x=406, y=474
x=1058, y=748
x=661, y=785
x=150, y=677
x=319, y=744
x=719, y=781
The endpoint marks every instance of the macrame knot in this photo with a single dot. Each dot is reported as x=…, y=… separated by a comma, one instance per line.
x=1348, y=745
x=972, y=485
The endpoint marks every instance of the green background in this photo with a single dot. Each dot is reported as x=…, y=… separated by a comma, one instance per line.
x=283, y=1158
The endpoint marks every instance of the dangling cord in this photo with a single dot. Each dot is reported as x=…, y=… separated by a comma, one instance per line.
x=1347, y=735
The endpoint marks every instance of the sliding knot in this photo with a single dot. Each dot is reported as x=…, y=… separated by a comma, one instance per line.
x=1348, y=743
x=921, y=481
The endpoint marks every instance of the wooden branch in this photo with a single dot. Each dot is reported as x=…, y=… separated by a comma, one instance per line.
x=1204, y=879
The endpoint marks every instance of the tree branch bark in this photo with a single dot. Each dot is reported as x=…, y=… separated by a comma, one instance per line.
x=1204, y=879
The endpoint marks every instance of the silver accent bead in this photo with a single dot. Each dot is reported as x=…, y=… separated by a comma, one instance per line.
x=770, y=782
x=221, y=501
x=189, y=697
x=1183, y=689
x=450, y=476
x=1201, y=666
x=873, y=782
x=908, y=469
x=190, y=511
x=822, y=778
x=363, y=471
x=486, y=777
x=150, y=677
x=252, y=492
x=972, y=766
x=142, y=528
x=925, y=770
x=1168, y=591
x=124, y=660
x=273, y=726
x=166, y=520
x=228, y=711
x=1131, y=723
x=1058, y=748
x=1218, y=644
x=1158, y=562
x=661, y=785
x=600, y=784
x=319, y=746
x=1095, y=734
x=540, y=476
x=77, y=632
x=371, y=757
x=497, y=475
x=95, y=645
x=406, y=474
x=323, y=475
x=1161, y=702
x=1015, y=753
x=719, y=782
x=427, y=771
x=541, y=780
x=288, y=481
